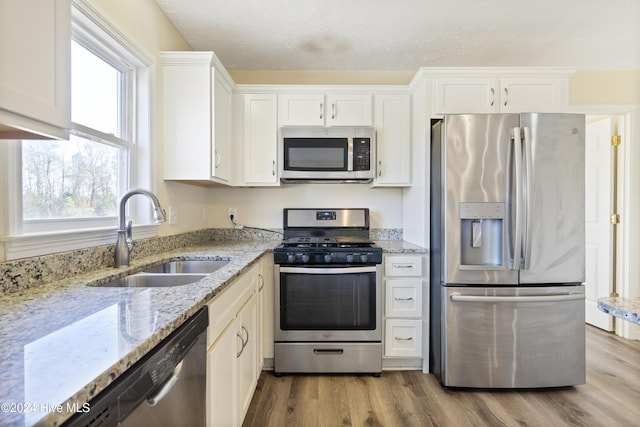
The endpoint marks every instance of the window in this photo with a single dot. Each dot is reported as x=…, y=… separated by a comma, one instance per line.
x=70, y=189
x=81, y=178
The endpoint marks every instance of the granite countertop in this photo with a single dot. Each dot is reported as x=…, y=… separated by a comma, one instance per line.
x=400, y=246
x=63, y=343
x=624, y=308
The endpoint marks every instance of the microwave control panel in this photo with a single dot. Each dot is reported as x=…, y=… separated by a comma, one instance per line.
x=361, y=154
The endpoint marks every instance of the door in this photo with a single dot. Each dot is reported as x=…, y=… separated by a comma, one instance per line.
x=467, y=94
x=530, y=94
x=301, y=109
x=553, y=244
x=513, y=337
x=260, y=139
x=221, y=143
x=598, y=175
x=475, y=161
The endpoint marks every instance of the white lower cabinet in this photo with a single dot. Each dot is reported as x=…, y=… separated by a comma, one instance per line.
x=403, y=337
x=232, y=351
x=403, y=290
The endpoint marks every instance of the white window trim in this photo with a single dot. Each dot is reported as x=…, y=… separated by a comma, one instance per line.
x=13, y=243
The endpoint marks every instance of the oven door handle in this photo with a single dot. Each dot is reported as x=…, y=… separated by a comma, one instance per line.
x=339, y=270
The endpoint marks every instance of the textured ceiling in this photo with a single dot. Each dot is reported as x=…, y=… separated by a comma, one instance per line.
x=408, y=34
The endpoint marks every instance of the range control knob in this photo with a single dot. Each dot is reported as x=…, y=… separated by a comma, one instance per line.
x=327, y=258
x=291, y=258
x=363, y=257
x=305, y=258
x=350, y=258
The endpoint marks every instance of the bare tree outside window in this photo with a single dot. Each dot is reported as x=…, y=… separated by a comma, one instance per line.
x=69, y=179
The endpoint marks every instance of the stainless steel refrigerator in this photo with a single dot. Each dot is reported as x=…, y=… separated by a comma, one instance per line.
x=507, y=258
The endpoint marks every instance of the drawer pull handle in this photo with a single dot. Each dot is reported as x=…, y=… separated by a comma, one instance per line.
x=402, y=265
x=403, y=299
x=403, y=339
x=328, y=351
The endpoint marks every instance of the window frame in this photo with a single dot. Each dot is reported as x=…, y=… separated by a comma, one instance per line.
x=20, y=238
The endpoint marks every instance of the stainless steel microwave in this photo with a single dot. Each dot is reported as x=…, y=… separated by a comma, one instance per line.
x=327, y=154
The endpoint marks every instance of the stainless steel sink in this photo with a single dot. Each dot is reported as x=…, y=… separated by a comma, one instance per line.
x=200, y=266
x=144, y=280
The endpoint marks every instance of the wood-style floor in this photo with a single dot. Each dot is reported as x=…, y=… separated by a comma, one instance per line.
x=611, y=397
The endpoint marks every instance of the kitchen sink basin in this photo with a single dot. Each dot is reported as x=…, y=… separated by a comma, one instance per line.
x=203, y=266
x=144, y=280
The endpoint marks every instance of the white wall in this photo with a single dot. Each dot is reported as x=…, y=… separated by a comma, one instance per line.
x=262, y=207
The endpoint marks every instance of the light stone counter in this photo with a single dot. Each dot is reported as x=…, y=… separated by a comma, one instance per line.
x=400, y=246
x=64, y=342
x=624, y=308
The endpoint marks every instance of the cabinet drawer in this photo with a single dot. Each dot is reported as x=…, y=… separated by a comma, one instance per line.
x=403, y=265
x=403, y=338
x=403, y=297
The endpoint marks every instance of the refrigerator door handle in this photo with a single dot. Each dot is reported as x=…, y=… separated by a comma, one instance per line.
x=516, y=137
x=545, y=298
x=528, y=160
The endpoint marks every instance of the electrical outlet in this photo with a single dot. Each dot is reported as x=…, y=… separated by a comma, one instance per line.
x=234, y=212
x=173, y=215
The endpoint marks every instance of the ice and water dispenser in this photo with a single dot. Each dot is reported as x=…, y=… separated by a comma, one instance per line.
x=481, y=235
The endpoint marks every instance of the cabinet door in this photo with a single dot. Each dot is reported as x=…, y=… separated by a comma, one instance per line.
x=186, y=115
x=403, y=338
x=348, y=110
x=221, y=379
x=467, y=95
x=393, y=140
x=403, y=298
x=301, y=109
x=221, y=119
x=268, y=307
x=260, y=140
x=247, y=367
x=35, y=67
x=540, y=95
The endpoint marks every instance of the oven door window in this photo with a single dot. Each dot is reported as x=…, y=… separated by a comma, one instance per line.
x=316, y=154
x=327, y=301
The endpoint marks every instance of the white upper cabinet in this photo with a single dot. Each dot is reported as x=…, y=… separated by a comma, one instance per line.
x=196, y=117
x=509, y=92
x=541, y=95
x=469, y=95
x=35, y=69
x=313, y=109
x=260, y=137
x=393, y=140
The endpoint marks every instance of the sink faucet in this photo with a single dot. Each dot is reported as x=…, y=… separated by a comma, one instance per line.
x=124, y=243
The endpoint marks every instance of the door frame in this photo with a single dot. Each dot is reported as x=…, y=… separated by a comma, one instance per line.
x=628, y=246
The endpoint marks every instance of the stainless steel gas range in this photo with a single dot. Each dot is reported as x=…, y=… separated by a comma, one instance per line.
x=328, y=293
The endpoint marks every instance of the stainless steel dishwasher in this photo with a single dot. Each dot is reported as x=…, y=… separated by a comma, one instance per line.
x=165, y=388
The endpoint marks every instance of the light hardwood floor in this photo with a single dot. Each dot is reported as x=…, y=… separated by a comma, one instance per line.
x=611, y=397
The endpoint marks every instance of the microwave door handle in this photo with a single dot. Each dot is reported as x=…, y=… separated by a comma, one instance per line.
x=350, y=154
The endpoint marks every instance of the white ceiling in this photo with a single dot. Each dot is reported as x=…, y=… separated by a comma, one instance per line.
x=408, y=34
